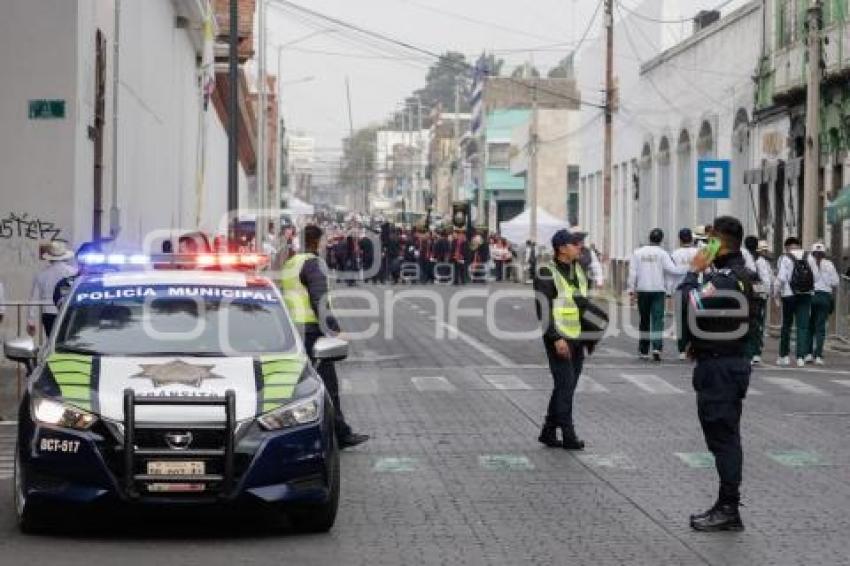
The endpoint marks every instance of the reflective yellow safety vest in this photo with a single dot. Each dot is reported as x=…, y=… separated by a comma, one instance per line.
x=565, y=312
x=295, y=295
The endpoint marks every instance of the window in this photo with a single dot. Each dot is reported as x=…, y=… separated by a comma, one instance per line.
x=499, y=155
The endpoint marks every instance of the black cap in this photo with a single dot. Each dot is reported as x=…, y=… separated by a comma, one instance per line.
x=564, y=237
x=685, y=235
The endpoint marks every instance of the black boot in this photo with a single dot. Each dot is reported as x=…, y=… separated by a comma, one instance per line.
x=571, y=441
x=721, y=517
x=549, y=436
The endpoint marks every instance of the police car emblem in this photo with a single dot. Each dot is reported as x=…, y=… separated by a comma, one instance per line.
x=176, y=372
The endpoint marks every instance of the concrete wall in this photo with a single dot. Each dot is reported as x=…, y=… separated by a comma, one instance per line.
x=37, y=157
x=47, y=51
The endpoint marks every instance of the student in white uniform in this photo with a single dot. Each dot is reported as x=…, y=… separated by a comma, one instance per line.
x=826, y=280
x=759, y=250
x=648, y=271
x=795, y=284
x=682, y=258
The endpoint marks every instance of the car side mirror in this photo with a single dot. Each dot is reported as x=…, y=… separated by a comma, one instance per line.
x=21, y=350
x=328, y=349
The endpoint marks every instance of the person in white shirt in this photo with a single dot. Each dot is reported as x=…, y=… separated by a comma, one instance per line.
x=682, y=258
x=648, y=271
x=826, y=280
x=758, y=249
x=796, y=301
x=44, y=284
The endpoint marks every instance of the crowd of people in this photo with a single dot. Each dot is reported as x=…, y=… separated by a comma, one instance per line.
x=800, y=282
x=394, y=254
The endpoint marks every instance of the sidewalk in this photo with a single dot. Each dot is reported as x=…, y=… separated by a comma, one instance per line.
x=8, y=391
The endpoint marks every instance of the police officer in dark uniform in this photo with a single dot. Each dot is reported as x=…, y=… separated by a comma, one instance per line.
x=717, y=330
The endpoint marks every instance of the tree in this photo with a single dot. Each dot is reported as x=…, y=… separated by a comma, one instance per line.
x=449, y=71
x=525, y=71
x=564, y=69
x=358, y=160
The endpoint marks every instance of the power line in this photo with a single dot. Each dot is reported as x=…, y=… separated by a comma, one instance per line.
x=477, y=21
x=465, y=66
x=640, y=16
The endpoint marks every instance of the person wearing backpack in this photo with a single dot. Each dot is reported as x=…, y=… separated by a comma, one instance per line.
x=826, y=280
x=796, y=281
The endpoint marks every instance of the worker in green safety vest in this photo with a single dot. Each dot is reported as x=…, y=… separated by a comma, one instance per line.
x=304, y=285
x=561, y=288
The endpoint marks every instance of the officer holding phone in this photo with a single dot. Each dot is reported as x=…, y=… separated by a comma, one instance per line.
x=717, y=313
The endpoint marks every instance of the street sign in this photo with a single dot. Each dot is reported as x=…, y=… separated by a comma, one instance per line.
x=46, y=109
x=713, y=178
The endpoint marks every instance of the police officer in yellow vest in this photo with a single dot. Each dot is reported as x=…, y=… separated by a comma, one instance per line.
x=304, y=284
x=561, y=288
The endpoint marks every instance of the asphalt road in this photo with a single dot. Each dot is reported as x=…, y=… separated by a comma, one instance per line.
x=454, y=475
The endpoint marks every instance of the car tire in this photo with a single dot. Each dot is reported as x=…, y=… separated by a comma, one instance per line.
x=32, y=518
x=320, y=518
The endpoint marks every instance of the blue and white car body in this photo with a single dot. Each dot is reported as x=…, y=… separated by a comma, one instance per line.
x=176, y=387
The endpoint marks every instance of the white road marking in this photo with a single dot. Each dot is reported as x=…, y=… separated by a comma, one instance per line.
x=587, y=384
x=751, y=391
x=484, y=349
x=359, y=385
x=651, y=383
x=432, y=383
x=506, y=382
x=794, y=385
x=844, y=382
x=612, y=352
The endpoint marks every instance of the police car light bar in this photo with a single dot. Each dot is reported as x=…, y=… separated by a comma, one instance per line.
x=201, y=261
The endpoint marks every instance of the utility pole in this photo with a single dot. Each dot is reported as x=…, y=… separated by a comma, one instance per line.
x=811, y=165
x=233, y=119
x=350, y=126
x=457, y=174
x=532, y=167
x=609, y=130
x=262, y=153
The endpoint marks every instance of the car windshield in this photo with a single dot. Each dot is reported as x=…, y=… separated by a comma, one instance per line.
x=173, y=320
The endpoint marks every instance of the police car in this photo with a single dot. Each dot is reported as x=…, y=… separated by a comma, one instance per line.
x=178, y=386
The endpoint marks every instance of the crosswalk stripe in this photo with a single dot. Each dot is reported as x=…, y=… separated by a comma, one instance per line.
x=506, y=382
x=844, y=382
x=651, y=383
x=794, y=385
x=587, y=384
x=432, y=383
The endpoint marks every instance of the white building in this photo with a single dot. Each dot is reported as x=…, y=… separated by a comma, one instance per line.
x=679, y=101
x=58, y=166
x=301, y=149
x=401, y=157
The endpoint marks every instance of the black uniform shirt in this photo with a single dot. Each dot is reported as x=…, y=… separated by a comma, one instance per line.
x=717, y=311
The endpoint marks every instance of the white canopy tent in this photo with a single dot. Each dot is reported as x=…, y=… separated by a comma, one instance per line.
x=517, y=229
x=298, y=206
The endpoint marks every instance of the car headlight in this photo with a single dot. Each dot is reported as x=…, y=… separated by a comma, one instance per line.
x=300, y=412
x=52, y=412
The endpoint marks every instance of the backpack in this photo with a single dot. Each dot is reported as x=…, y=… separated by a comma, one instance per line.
x=802, y=278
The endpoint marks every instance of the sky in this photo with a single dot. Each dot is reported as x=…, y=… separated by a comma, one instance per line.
x=381, y=75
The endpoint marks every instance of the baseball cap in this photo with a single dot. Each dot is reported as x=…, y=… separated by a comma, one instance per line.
x=819, y=247
x=565, y=237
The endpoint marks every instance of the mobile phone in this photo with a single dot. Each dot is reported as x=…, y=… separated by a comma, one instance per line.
x=712, y=248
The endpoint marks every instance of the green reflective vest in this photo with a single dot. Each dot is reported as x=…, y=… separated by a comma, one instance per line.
x=295, y=295
x=565, y=311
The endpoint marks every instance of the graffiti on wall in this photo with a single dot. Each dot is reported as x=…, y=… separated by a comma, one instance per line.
x=22, y=226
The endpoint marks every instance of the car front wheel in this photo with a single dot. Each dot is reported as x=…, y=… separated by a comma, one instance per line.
x=320, y=518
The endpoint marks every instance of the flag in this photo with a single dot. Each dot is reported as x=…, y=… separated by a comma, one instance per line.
x=476, y=97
